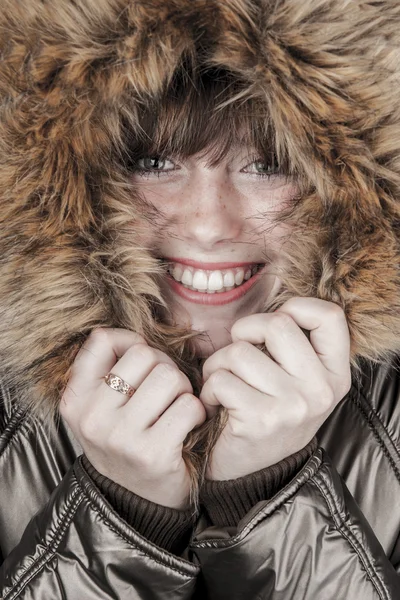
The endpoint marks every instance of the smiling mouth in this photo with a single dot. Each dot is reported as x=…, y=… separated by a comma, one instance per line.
x=196, y=285
x=207, y=281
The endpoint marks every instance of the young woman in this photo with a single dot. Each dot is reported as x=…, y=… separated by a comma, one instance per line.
x=200, y=299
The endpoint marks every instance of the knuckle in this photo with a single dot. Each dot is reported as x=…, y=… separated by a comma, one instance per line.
x=281, y=320
x=266, y=424
x=166, y=370
x=192, y=403
x=237, y=429
x=169, y=372
x=240, y=350
x=216, y=378
x=183, y=382
x=174, y=465
x=335, y=312
x=263, y=423
x=325, y=399
x=89, y=429
x=143, y=350
x=99, y=334
x=300, y=410
x=187, y=401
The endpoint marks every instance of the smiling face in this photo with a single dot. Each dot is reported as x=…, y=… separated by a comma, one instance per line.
x=216, y=230
x=207, y=166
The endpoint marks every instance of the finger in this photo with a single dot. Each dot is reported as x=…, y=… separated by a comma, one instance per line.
x=103, y=348
x=133, y=367
x=284, y=340
x=186, y=413
x=157, y=392
x=329, y=333
x=223, y=388
x=250, y=364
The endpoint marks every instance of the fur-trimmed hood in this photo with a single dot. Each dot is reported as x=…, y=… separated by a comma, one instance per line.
x=73, y=71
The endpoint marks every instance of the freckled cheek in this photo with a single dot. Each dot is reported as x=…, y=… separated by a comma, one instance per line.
x=268, y=205
x=168, y=202
x=164, y=210
x=280, y=198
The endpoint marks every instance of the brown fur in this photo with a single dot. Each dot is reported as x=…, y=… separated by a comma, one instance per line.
x=71, y=73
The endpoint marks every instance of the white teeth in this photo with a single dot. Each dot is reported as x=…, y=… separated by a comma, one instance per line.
x=187, y=277
x=211, y=281
x=177, y=272
x=200, y=280
x=215, y=281
x=239, y=277
x=229, y=279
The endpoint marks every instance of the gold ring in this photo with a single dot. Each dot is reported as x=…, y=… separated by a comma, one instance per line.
x=119, y=385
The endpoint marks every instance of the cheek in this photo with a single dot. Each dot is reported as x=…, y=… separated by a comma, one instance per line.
x=268, y=196
x=279, y=198
x=263, y=229
x=264, y=203
x=153, y=225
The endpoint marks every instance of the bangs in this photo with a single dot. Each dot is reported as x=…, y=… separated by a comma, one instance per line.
x=206, y=114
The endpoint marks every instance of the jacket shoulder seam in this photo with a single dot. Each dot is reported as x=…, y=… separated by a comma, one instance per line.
x=346, y=532
x=379, y=431
x=49, y=551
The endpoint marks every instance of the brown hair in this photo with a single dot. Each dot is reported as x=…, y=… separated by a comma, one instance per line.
x=203, y=112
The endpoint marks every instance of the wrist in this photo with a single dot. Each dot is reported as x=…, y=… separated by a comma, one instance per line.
x=166, y=527
x=227, y=501
x=170, y=492
x=243, y=463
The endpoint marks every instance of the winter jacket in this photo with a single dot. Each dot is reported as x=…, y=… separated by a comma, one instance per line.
x=73, y=78
x=331, y=532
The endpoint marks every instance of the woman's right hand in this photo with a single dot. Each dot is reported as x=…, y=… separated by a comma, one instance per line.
x=137, y=442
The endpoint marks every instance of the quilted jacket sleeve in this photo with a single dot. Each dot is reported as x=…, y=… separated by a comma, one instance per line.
x=77, y=546
x=309, y=541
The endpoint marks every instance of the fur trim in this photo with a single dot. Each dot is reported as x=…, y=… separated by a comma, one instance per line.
x=72, y=71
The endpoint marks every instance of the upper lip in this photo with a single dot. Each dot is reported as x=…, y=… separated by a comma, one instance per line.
x=210, y=266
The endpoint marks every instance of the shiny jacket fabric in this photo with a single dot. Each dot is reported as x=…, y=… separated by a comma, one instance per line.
x=75, y=77
x=332, y=532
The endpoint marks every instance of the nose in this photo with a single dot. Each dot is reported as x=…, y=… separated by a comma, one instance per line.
x=210, y=210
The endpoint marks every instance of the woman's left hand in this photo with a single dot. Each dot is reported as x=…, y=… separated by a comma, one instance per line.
x=276, y=405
